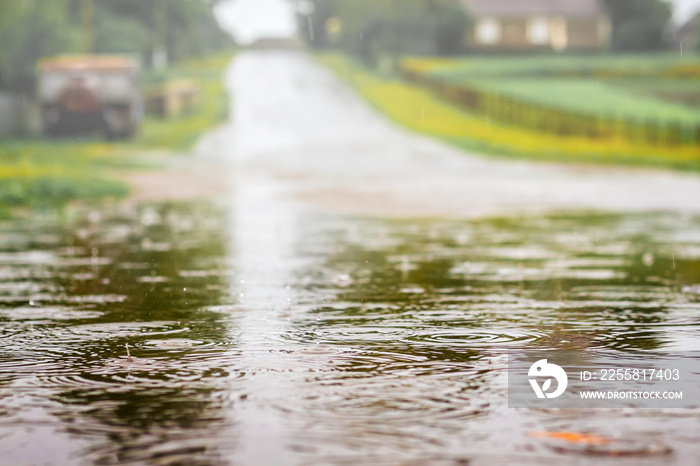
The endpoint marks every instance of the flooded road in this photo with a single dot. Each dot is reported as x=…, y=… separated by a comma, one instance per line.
x=297, y=125
x=351, y=302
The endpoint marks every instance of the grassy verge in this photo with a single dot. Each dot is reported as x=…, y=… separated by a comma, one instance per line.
x=43, y=173
x=615, y=87
x=417, y=109
x=178, y=134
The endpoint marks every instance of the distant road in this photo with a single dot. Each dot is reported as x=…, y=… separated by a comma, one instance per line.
x=297, y=126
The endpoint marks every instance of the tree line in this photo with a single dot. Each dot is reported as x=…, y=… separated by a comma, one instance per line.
x=32, y=29
x=371, y=27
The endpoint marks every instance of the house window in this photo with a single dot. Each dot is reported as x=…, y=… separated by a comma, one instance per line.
x=538, y=30
x=603, y=31
x=560, y=34
x=488, y=31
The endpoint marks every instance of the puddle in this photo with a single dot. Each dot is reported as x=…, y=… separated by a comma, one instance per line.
x=343, y=340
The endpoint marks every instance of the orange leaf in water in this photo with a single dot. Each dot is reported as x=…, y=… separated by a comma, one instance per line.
x=574, y=437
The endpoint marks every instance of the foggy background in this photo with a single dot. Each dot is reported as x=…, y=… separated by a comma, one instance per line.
x=249, y=20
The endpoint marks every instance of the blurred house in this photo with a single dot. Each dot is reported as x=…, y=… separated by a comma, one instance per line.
x=537, y=25
x=689, y=33
x=276, y=43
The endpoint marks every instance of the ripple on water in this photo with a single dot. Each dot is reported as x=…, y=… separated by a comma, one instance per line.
x=48, y=313
x=388, y=341
x=33, y=258
x=479, y=337
x=362, y=333
x=122, y=330
x=172, y=344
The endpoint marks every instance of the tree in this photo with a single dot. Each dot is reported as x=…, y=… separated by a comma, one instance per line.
x=375, y=28
x=130, y=26
x=451, y=24
x=30, y=30
x=638, y=25
x=312, y=16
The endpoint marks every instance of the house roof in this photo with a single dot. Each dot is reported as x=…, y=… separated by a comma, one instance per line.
x=569, y=8
x=691, y=25
x=276, y=43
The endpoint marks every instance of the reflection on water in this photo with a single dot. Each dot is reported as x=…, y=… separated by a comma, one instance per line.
x=624, y=283
x=71, y=302
x=389, y=343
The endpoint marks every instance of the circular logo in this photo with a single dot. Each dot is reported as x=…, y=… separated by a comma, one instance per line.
x=541, y=369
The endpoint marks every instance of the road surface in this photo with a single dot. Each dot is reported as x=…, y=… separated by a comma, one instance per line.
x=296, y=126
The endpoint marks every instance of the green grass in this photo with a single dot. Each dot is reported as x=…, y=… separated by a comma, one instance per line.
x=593, y=97
x=179, y=133
x=45, y=173
x=626, y=87
x=417, y=108
x=689, y=86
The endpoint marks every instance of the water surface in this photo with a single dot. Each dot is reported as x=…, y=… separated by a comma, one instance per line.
x=337, y=339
